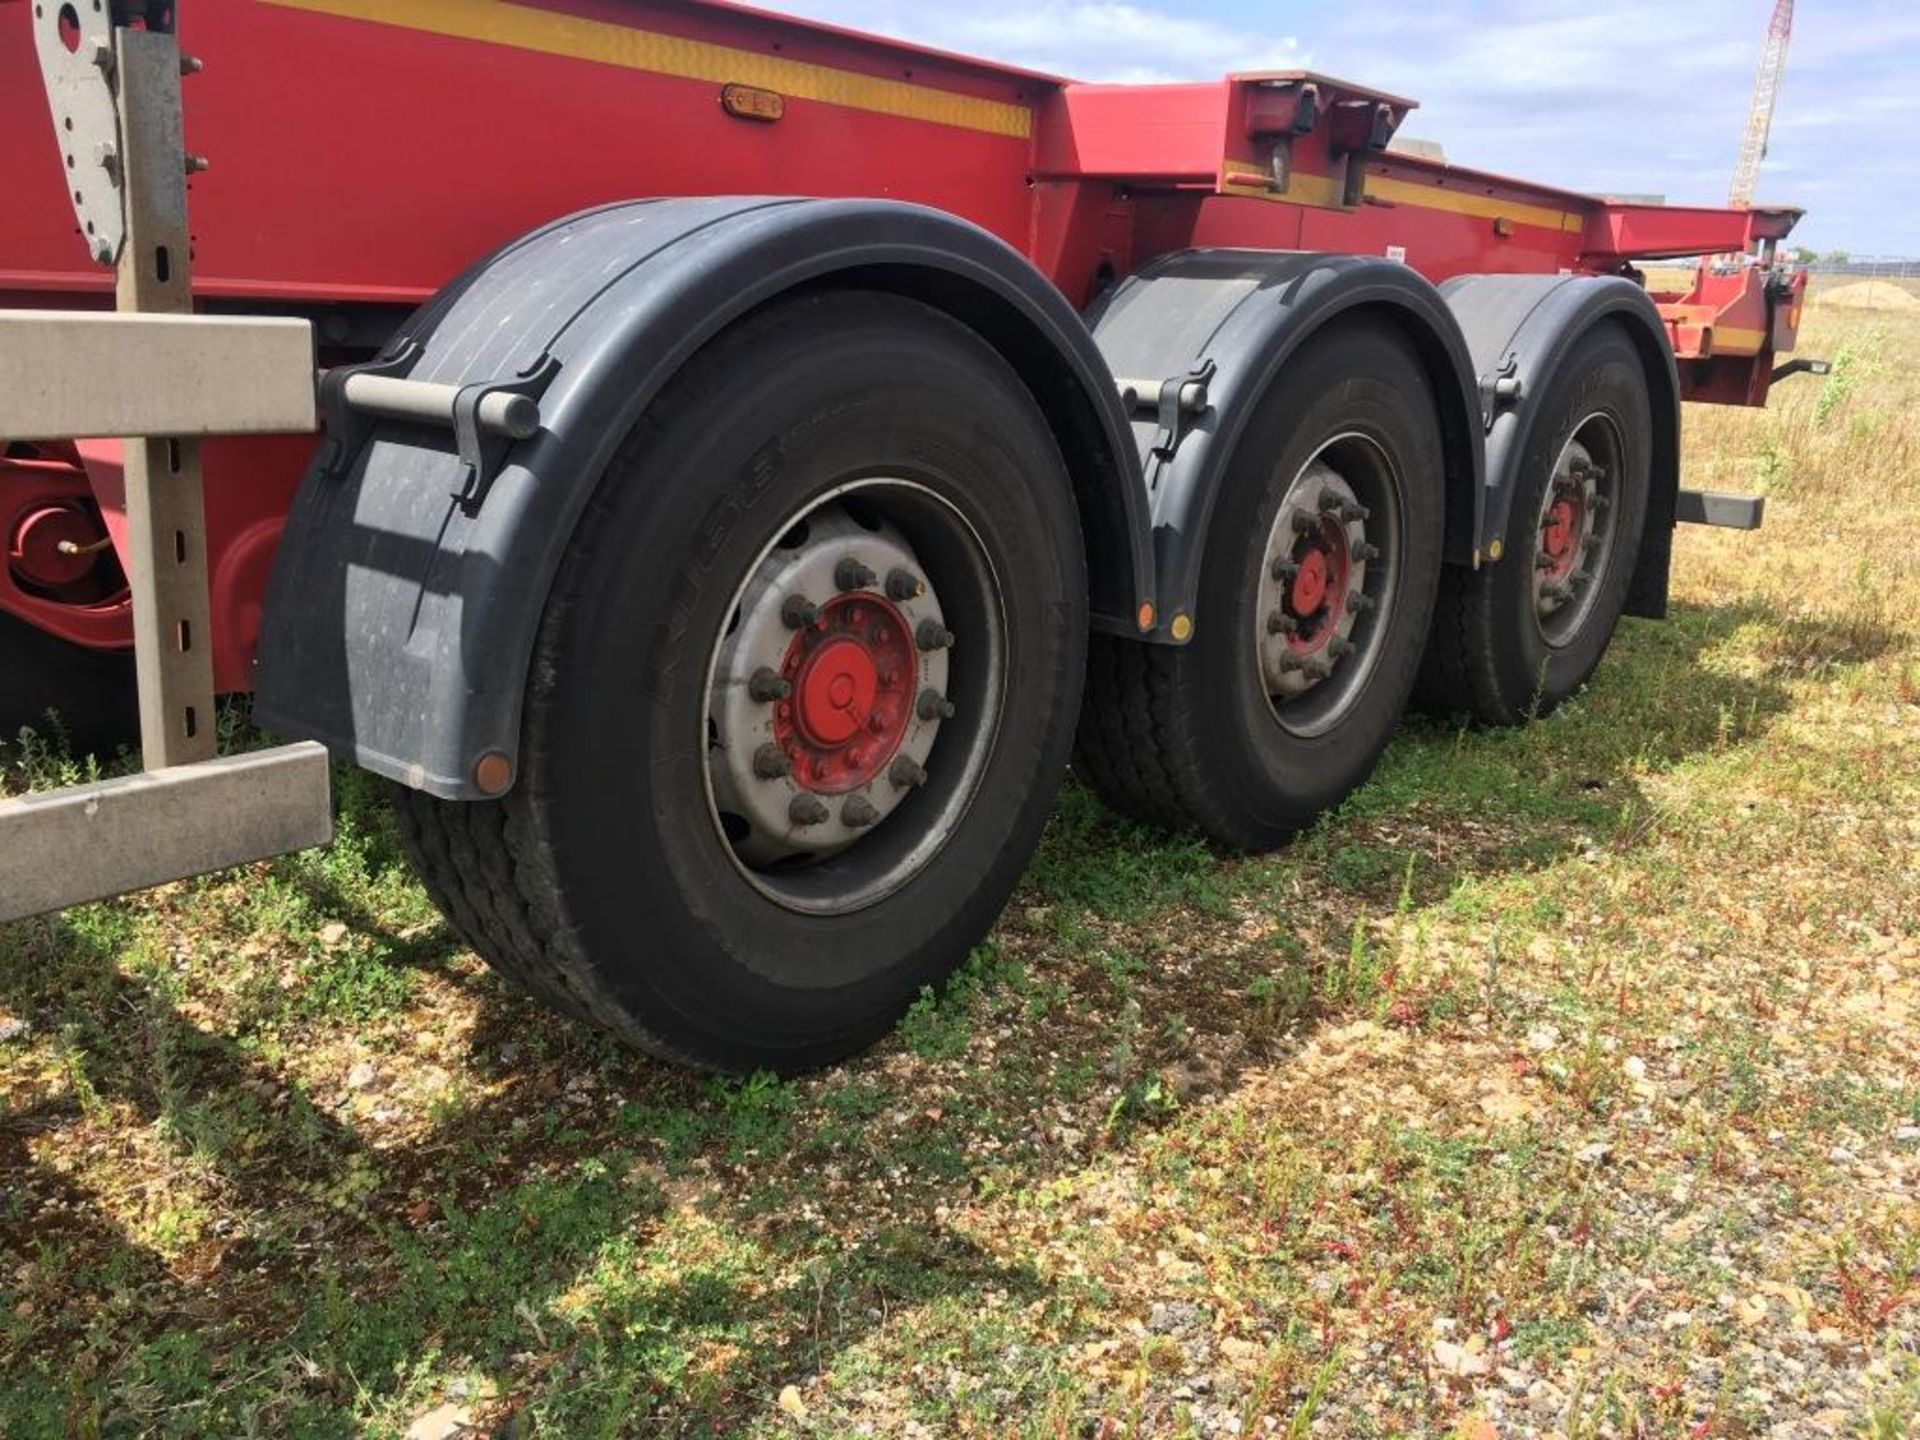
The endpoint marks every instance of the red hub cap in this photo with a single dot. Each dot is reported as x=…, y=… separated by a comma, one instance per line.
x=1560, y=536
x=852, y=672
x=1310, y=585
x=1317, y=596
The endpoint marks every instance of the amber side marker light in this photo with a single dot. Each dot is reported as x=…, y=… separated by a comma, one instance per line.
x=747, y=102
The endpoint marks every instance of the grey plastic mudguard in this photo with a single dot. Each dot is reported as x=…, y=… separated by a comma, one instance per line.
x=400, y=623
x=1520, y=329
x=1235, y=318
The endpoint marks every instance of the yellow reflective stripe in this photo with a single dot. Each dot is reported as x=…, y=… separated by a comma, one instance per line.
x=1727, y=340
x=494, y=22
x=1325, y=191
x=1304, y=188
x=1434, y=197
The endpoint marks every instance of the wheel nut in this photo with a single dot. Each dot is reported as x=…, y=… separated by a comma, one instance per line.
x=770, y=763
x=798, y=612
x=932, y=635
x=1281, y=623
x=1359, y=602
x=850, y=574
x=932, y=705
x=906, y=774
x=1285, y=570
x=768, y=685
x=1351, y=513
x=1317, y=669
x=807, y=810
x=1305, y=521
x=1339, y=647
x=858, y=813
x=903, y=584
x=1363, y=551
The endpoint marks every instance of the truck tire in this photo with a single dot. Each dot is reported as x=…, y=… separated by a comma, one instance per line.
x=1516, y=638
x=1316, y=591
x=803, y=693
x=83, y=697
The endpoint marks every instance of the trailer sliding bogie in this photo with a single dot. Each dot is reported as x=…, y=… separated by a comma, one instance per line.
x=723, y=582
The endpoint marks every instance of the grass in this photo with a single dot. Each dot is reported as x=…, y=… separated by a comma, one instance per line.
x=1564, y=1083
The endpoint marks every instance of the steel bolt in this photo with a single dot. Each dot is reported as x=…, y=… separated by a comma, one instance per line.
x=857, y=756
x=889, y=677
x=1290, y=661
x=907, y=774
x=191, y=65
x=1364, y=552
x=1305, y=522
x=798, y=612
x=195, y=164
x=1317, y=669
x=1284, y=570
x=1281, y=623
x=822, y=768
x=1359, y=602
x=1597, y=503
x=903, y=584
x=858, y=813
x=807, y=810
x=1351, y=513
x=1339, y=647
x=934, y=706
x=1544, y=561
x=932, y=635
x=850, y=574
x=877, y=723
x=768, y=685
x=770, y=763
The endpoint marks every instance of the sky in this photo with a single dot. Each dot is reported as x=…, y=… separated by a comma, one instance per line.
x=1610, y=96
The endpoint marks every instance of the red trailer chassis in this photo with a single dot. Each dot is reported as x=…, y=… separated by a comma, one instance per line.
x=314, y=205
x=1141, y=299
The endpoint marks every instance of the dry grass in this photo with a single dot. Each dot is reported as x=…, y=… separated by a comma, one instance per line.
x=1565, y=1084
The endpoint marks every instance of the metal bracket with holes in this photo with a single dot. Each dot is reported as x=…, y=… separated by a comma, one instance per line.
x=158, y=376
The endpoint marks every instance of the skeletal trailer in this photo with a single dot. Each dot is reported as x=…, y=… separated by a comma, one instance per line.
x=724, y=576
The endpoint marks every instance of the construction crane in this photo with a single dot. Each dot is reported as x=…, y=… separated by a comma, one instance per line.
x=1766, y=89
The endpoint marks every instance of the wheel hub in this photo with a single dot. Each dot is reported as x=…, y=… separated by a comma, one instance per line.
x=1560, y=536
x=1313, y=589
x=828, y=691
x=852, y=677
x=1570, y=536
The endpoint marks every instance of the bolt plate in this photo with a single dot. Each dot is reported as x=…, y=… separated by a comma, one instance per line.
x=80, y=95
